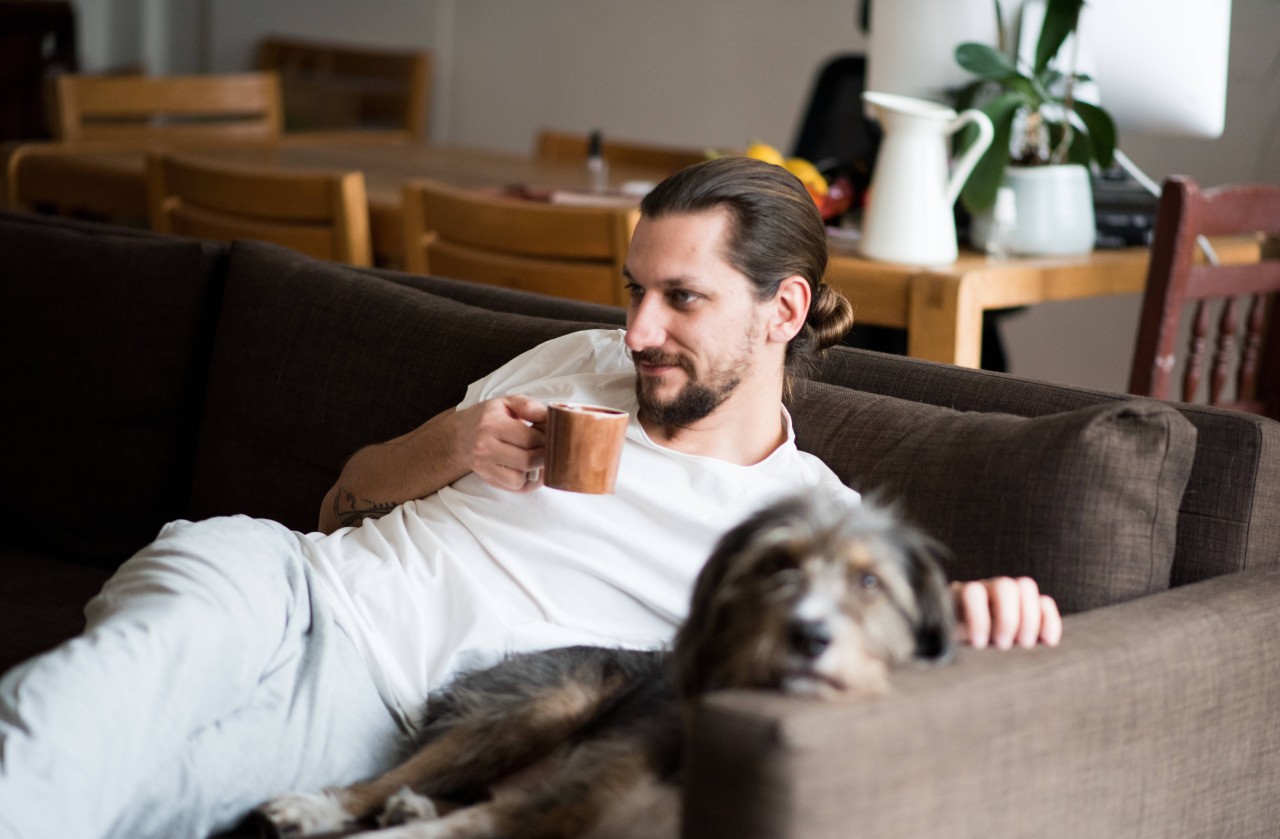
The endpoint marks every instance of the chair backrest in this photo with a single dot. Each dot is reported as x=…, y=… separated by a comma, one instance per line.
x=167, y=108
x=1239, y=366
x=564, y=251
x=571, y=148
x=324, y=214
x=327, y=86
x=835, y=133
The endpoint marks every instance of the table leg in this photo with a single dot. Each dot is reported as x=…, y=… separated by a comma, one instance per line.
x=945, y=319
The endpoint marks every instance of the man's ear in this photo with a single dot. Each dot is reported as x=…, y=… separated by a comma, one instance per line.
x=791, y=308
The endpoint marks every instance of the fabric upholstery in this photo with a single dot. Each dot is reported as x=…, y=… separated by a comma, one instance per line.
x=105, y=340
x=1154, y=718
x=1227, y=521
x=501, y=299
x=1085, y=501
x=284, y=410
x=41, y=601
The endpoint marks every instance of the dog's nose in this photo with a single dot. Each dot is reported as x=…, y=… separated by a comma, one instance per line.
x=809, y=638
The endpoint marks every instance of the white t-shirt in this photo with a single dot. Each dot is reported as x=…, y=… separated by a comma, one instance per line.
x=463, y=576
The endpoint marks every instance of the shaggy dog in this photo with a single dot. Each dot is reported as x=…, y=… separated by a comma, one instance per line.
x=809, y=596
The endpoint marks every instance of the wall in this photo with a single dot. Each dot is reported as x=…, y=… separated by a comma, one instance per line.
x=723, y=73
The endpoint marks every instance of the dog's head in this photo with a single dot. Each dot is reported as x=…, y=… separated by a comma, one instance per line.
x=813, y=595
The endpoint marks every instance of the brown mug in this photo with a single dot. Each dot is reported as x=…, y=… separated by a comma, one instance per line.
x=584, y=445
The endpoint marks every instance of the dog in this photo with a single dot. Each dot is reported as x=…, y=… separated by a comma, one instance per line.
x=811, y=596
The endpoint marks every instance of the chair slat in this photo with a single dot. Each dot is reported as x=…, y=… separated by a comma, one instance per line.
x=324, y=214
x=1245, y=372
x=1255, y=324
x=122, y=107
x=565, y=251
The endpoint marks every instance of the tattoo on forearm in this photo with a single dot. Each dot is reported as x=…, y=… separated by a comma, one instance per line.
x=351, y=510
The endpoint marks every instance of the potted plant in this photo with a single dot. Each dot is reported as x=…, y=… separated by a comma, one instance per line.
x=1045, y=138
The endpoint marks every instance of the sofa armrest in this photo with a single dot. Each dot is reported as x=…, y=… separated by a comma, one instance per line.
x=1155, y=717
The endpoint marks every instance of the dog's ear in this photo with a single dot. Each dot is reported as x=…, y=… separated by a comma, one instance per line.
x=933, y=629
x=696, y=650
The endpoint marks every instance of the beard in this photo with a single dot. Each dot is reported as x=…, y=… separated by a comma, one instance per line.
x=695, y=401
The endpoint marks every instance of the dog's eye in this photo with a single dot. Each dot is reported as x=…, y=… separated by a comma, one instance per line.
x=868, y=581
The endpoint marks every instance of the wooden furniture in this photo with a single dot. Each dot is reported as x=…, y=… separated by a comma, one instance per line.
x=940, y=307
x=1239, y=367
x=328, y=85
x=573, y=148
x=323, y=214
x=166, y=108
x=565, y=251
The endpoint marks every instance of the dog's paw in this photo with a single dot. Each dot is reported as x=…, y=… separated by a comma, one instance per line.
x=306, y=814
x=407, y=806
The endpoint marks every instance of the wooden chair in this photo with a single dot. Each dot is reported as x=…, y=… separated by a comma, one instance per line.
x=234, y=106
x=572, y=148
x=564, y=251
x=1244, y=372
x=324, y=214
x=327, y=86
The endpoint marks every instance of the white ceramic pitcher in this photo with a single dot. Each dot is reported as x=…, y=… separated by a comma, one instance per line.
x=909, y=213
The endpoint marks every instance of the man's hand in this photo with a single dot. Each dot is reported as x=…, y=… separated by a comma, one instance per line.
x=1004, y=611
x=494, y=439
x=499, y=441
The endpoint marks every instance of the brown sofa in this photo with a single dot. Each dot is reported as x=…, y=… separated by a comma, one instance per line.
x=153, y=378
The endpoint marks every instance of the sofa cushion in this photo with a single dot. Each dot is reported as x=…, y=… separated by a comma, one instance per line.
x=1084, y=501
x=105, y=335
x=301, y=347
x=1227, y=521
x=41, y=601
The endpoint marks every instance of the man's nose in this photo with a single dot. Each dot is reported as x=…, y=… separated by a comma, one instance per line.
x=646, y=327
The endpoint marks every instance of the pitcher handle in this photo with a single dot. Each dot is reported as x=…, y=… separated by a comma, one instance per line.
x=986, y=132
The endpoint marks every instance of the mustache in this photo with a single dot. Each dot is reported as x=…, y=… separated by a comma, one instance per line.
x=661, y=359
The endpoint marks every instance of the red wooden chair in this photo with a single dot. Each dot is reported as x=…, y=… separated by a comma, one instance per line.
x=1237, y=363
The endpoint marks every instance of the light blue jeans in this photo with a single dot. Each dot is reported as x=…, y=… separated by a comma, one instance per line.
x=210, y=677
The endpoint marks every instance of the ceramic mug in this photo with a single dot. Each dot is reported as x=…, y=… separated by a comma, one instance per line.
x=584, y=446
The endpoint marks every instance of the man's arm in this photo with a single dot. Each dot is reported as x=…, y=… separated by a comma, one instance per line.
x=494, y=439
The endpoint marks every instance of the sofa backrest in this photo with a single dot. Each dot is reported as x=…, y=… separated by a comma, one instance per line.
x=104, y=335
x=1229, y=515
x=314, y=360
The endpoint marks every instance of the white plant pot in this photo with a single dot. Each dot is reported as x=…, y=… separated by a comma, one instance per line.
x=1054, y=207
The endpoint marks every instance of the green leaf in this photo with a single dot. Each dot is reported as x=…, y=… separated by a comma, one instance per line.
x=1102, y=131
x=984, y=61
x=1030, y=91
x=979, y=192
x=1060, y=19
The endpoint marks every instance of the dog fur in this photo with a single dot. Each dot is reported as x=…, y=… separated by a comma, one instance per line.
x=810, y=596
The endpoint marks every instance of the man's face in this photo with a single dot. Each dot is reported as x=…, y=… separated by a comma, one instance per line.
x=694, y=327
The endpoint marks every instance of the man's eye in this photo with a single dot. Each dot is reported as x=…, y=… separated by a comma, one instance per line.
x=634, y=291
x=682, y=298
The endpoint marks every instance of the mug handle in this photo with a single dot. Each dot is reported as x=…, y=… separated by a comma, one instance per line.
x=986, y=132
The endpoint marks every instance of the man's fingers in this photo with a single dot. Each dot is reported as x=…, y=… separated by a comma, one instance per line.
x=1003, y=611
x=1050, y=621
x=527, y=409
x=1029, y=604
x=975, y=611
x=1006, y=607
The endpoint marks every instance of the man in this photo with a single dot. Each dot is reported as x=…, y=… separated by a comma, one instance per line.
x=233, y=659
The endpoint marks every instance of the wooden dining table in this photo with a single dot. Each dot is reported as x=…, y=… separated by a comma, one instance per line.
x=940, y=306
